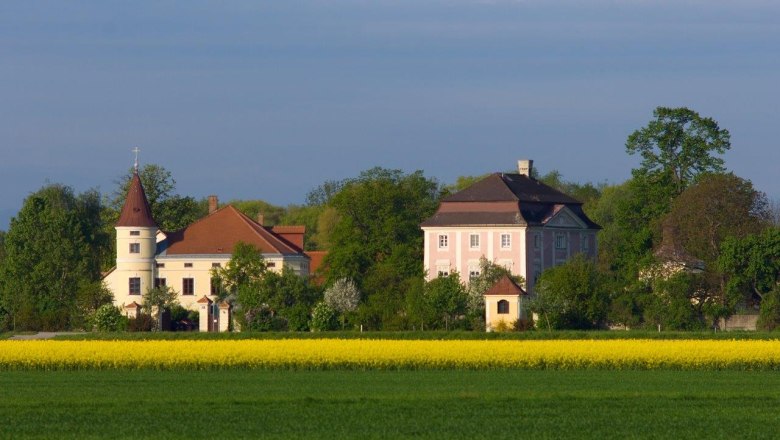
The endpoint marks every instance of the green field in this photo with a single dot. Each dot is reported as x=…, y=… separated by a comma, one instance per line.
x=389, y=404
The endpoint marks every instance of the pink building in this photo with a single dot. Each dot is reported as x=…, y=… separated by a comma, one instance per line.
x=510, y=219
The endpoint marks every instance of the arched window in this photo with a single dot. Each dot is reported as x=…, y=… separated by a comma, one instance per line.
x=503, y=306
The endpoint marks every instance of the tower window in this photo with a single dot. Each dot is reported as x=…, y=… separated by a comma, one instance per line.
x=135, y=248
x=135, y=286
x=135, y=232
x=187, y=264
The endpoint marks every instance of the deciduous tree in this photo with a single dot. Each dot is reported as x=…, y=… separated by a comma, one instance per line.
x=54, y=247
x=679, y=145
x=572, y=296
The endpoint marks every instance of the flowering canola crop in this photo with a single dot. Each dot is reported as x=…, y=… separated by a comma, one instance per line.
x=391, y=354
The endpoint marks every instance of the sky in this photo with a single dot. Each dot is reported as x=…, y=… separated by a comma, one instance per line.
x=268, y=99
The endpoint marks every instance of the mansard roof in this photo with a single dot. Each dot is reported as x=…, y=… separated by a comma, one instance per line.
x=503, y=199
x=506, y=286
x=219, y=232
x=136, y=211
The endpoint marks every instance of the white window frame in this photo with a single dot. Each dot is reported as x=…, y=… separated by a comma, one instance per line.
x=561, y=241
x=508, y=237
x=472, y=239
x=443, y=271
x=444, y=241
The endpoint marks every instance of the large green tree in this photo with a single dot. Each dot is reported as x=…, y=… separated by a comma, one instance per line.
x=572, y=296
x=54, y=247
x=376, y=238
x=678, y=145
x=752, y=264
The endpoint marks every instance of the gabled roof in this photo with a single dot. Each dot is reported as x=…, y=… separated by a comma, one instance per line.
x=506, y=287
x=504, y=187
x=136, y=211
x=219, y=232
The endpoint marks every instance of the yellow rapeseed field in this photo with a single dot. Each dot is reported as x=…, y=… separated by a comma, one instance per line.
x=392, y=354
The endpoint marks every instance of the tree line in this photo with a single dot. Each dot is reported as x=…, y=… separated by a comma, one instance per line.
x=58, y=245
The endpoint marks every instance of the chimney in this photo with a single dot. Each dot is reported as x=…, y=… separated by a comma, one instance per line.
x=213, y=204
x=260, y=218
x=524, y=167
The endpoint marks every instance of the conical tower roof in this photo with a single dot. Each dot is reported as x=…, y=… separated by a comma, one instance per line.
x=136, y=211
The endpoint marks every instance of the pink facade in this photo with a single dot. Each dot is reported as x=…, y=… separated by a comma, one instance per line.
x=524, y=251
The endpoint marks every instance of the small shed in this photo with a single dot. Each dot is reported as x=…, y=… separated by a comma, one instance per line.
x=505, y=301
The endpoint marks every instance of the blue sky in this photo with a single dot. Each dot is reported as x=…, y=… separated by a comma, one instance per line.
x=269, y=99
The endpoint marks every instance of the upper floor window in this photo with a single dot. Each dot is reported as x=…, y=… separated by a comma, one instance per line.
x=506, y=241
x=188, y=286
x=187, y=264
x=474, y=241
x=443, y=241
x=135, y=286
x=135, y=248
x=560, y=241
x=473, y=273
x=503, y=307
x=270, y=264
x=216, y=265
x=537, y=241
x=160, y=265
x=135, y=232
x=443, y=271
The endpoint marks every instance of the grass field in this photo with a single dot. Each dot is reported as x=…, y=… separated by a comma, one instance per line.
x=389, y=404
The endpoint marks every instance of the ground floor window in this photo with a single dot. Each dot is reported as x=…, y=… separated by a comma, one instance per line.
x=135, y=286
x=188, y=286
x=216, y=285
x=159, y=282
x=503, y=307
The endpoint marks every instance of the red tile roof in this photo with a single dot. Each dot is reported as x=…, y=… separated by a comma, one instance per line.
x=219, y=232
x=136, y=211
x=505, y=286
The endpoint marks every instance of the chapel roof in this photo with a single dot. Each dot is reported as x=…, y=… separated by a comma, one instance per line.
x=219, y=232
x=136, y=211
x=506, y=286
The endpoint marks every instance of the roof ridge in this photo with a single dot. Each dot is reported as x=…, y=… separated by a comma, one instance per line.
x=254, y=226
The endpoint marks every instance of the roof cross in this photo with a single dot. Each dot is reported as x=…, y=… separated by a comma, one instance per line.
x=136, y=150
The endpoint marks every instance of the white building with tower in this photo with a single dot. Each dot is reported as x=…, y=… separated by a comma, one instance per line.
x=147, y=257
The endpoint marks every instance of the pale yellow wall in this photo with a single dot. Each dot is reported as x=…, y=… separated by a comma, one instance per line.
x=492, y=317
x=174, y=272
